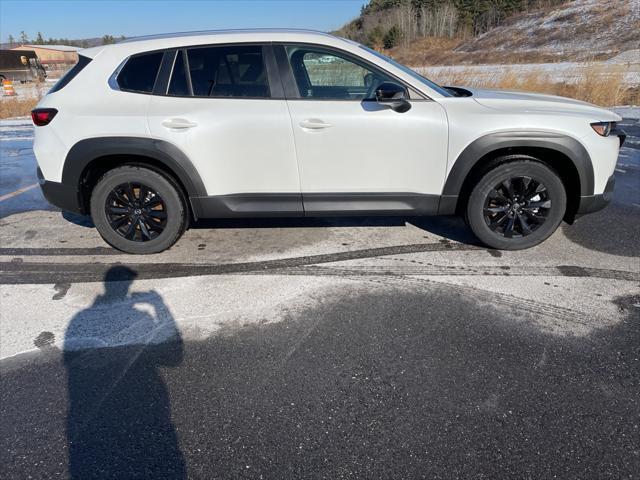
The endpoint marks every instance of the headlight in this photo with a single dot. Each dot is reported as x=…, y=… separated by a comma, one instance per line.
x=603, y=128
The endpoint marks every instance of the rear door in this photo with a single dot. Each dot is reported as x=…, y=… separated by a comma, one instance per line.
x=223, y=106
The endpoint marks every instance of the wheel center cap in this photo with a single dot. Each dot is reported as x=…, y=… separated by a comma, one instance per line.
x=137, y=211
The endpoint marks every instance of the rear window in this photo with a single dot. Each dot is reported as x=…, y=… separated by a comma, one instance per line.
x=139, y=73
x=222, y=72
x=71, y=74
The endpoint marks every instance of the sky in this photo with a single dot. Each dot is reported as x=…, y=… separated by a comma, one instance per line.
x=77, y=19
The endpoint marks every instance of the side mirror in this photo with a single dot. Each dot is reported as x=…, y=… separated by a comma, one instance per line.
x=393, y=95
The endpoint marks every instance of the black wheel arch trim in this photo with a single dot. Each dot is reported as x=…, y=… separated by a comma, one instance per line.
x=492, y=142
x=86, y=151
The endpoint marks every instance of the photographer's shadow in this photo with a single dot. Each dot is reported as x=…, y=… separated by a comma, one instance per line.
x=119, y=413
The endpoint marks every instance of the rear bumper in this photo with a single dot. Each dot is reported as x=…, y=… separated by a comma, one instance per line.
x=60, y=195
x=594, y=203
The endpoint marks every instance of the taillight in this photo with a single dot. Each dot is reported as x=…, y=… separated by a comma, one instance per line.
x=43, y=116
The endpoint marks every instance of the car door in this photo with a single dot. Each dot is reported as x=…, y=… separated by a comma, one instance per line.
x=355, y=155
x=224, y=107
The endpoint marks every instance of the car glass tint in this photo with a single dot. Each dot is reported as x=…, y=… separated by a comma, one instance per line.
x=329, y=76
x=230, y=71
x=178, y=85
x=71, y=74
x=139, y=73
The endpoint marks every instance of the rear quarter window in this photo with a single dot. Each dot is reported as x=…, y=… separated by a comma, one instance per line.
x=71, y=74
x=140, y=72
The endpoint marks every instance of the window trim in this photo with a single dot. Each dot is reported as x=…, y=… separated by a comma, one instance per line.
x=291, y=86
x=273, y=78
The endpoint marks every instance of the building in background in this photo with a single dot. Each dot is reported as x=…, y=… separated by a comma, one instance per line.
x=53, y=57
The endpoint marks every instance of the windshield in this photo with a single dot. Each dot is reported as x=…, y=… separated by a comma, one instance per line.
x=413, y=73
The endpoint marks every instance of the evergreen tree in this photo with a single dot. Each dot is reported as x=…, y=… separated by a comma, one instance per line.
x=392, y=37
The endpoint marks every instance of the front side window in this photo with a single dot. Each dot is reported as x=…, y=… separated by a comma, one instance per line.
x=434, y=86
x=328, y=75
x=225, y=71
x=139, y=73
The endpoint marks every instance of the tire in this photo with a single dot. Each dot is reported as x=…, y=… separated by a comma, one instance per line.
x=517, y=204
x=151, y=221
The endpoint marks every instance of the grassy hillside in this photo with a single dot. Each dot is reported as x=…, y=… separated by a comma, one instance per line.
x=429, y=32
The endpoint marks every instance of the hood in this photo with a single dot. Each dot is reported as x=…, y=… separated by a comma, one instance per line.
x=538, y=103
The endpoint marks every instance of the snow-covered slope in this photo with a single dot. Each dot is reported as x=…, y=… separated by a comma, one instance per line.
x=584, y=29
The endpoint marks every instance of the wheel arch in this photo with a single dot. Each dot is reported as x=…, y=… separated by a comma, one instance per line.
x=89, y=159
x=562, y=153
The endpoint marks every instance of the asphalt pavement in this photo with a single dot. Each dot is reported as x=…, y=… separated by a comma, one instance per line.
x=317, y=348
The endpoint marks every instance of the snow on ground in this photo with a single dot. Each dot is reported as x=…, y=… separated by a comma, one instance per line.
x=568, y=72
x=628, y=111
x=29, y=90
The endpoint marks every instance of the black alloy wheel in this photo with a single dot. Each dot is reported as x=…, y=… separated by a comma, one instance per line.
x=136, y=212
x=139, y=210
x=516, y=203
x=517, y=206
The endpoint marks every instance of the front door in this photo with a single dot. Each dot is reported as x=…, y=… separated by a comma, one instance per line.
x=353, y=153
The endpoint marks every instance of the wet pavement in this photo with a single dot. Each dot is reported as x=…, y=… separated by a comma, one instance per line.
x=318, y=348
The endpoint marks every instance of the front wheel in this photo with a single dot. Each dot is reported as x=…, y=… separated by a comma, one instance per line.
x=516, y=205
x=138, y=210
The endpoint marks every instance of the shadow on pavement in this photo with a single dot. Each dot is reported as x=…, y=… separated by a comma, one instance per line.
x=394, y=383
x=614, y=230
x=119, y=415
x=450, y=227
x=77, y=219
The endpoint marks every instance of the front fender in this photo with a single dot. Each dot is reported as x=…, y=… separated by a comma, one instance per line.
x=485, y=145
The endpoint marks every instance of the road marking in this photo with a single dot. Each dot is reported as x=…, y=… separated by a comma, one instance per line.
x=17, y=192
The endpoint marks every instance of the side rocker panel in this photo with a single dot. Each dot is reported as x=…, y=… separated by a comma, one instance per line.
x=501, y=140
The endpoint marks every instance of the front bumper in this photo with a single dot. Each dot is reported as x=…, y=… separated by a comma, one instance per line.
x=60, y=195
x=594, y=203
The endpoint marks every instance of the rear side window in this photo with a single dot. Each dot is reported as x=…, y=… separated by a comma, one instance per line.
x=139, y=73
x=71, y=74
x=223, y=72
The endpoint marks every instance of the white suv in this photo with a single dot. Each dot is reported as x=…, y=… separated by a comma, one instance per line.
x=151, y=134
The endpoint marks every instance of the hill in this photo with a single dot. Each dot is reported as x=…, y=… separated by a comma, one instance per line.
x=578, y=30
x=426, y=32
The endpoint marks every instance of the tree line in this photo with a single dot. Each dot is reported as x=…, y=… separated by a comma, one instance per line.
x=23, y=39
x=388, y=23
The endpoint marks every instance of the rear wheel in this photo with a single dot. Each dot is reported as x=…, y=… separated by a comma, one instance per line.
x=516, y=205
x=138, y=210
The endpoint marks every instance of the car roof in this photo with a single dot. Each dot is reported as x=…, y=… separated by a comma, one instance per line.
x=181, y=39
x=267, y=32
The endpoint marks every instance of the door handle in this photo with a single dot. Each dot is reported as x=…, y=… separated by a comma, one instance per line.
x=178, y=123
x=314, y=124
